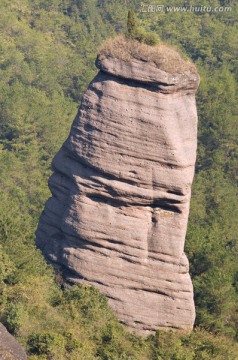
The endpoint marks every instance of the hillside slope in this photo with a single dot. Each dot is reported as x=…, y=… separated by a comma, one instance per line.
x=46, y=61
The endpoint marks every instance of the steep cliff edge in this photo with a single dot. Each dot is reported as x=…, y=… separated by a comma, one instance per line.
x=121, y=187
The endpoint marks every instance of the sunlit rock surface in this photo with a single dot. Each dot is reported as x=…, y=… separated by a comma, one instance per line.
x=121, y=189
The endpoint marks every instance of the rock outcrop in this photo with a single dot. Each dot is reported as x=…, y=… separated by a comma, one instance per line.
x=10, y=349
x=121, y=189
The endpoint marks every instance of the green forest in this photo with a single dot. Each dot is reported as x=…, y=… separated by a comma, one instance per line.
x=47, y=54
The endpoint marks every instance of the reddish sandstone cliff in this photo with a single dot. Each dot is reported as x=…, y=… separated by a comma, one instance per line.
x=121, y=189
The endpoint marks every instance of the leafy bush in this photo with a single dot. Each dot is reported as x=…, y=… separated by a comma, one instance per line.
x=13, y=317
x=6, y=269
x=199, y=345
x=151, y=38
x=45, y=343
x=72, y=343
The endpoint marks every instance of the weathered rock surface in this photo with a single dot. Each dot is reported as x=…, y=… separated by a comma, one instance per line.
x=121, y=189
x=10, y=349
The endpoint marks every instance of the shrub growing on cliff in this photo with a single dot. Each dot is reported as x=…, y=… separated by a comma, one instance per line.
x=135, y=32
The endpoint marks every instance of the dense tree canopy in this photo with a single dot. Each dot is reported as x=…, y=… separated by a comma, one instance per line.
x=47, y=53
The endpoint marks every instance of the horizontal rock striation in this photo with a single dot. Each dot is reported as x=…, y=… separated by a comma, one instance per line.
x=121, y=189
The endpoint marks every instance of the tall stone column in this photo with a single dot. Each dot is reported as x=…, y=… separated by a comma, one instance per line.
x=121, y=189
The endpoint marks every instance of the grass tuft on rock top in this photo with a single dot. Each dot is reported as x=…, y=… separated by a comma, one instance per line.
x=141, y=44
x=165, y=57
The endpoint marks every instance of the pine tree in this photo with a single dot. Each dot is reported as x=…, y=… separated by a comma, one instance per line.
x=131, y=23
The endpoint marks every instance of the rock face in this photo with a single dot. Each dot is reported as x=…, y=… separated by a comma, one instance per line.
x=9, y=347
x=121, y=189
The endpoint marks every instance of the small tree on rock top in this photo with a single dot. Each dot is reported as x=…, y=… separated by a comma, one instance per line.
x=138, y=33
x=131, y=23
